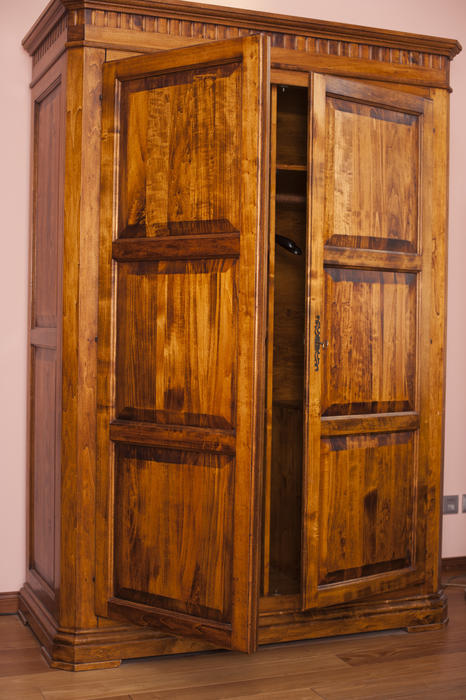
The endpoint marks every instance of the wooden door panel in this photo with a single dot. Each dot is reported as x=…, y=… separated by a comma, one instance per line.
x=164, y=369
x=367, y=495
x=174, y=176
x=369, y=320
x=181, y=339
x=47, y=214
x=370, y=266
x=45, y=337
x=373, y=173
x=44, y=455
x=155, y=524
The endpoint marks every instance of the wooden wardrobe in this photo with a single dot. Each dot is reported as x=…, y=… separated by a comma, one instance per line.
x=236, y=330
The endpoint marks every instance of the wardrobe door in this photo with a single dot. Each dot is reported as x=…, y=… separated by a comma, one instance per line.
x=181, y=339
x=368, y=490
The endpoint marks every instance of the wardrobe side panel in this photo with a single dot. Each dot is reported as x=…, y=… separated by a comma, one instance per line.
x=45, y=334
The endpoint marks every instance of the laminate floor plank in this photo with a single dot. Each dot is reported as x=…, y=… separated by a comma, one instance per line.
x=400, y=679
x=375, y=666
x=21, y=661
x=14, y=635
x=279, y=686
x=167, y=679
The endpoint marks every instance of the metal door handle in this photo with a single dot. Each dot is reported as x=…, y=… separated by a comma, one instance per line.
x=318, y=344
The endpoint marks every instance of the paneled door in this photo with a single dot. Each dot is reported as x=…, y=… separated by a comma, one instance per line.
x=367, y=445
x=181, y=338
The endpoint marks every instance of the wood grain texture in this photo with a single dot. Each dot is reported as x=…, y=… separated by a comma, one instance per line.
x=164, y=368
x=182, y=437
x=268, y=427
x=369, y=423
x=189, y=150
x=361, y=65
x=143, y=27
x=370, y=325
x=185, y=247
x=389, y=351
x=163, y=183
x=372, y=174
x=105, y=644
x=184, y=275
x=43, y=496
x=9, y=602
x=360, y=666
x=48, y=213
x=433, y=323
x=79, y=366
x=45, y=330
x=367, y=506
x=168, y=553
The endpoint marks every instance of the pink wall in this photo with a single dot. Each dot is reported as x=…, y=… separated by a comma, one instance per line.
x=422, y=16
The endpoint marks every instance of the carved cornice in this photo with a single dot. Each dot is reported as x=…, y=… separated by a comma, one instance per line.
x=199, y=21
x=53, y=15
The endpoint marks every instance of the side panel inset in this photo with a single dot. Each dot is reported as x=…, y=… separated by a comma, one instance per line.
x=46, y=214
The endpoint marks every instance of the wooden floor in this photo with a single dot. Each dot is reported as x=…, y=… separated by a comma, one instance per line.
x=380, y=666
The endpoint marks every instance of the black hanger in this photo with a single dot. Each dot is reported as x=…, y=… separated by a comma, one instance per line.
x=288, y=244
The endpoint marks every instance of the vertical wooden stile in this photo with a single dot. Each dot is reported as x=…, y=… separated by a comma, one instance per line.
x=312, y=398
x=269, y=389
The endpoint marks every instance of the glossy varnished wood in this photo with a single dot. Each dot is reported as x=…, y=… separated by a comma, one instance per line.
x=145, y=26
x=45, y=335
x=182, y=338
x=175, y=242
x=372, y=322
x=370, y=666
x=80, y=271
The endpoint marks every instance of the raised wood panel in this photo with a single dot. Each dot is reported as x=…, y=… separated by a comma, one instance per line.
x=47, y=213
x=172, y=318
x=366, y=505
x=45, y=336
x=366, y=411
x=166, y=551
x=372, y=177
x=181, y=338
x=174, y=176
x=369, y=322
x=44, y=477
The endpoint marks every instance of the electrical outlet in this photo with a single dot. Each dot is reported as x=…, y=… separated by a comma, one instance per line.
x=464, y=503
x=450, y=504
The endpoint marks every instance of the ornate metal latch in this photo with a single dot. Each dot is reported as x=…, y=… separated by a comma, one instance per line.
x=318, y=344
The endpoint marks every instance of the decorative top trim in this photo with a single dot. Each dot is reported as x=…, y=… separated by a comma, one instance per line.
x=52, y=15
x=250, y=19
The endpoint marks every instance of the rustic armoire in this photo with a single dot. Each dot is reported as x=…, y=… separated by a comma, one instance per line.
x=236, y=329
